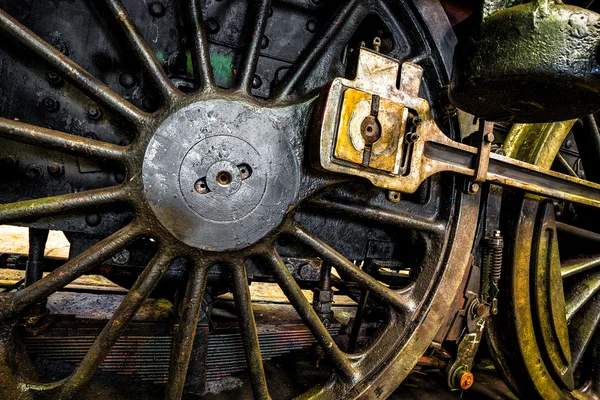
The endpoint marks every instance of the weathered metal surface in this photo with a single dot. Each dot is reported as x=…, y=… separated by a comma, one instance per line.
x=224, y=138
x=534, y=62
x=416, y=311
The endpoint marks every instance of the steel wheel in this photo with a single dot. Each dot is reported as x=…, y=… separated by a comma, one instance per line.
x=549, y=310
x=216, y=177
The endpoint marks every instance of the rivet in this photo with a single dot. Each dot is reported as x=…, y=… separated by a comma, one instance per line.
x=212, y=26
x=53, y=78
x=127, y=80
x=50, y=104
x=94, y=112
x=93, y=219
x=122, y=257
x=311, y=25
x=264, y=43
x=34, y=171
x=256, y=82
x=157, y=9
x=56, y=169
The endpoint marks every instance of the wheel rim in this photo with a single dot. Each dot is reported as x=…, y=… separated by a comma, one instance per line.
x=549, y=299
x=416, y=312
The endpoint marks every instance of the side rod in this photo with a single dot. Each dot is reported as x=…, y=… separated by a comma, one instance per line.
x=506, y=171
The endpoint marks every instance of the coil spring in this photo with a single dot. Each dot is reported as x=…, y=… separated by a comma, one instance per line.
x=494, y=247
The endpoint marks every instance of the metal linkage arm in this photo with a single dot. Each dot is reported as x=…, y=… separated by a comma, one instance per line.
x=375, y=130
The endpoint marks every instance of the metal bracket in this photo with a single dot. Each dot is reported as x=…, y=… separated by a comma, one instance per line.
x=411, y=147
x=486, y=136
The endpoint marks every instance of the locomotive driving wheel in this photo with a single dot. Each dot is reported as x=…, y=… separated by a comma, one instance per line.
x=214, y=177
x=545, y=338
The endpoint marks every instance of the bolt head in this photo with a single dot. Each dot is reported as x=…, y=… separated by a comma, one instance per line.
x=56, y=169
x=127, y=80
x=394, y=197
x=488, y=138
x=474, y=188
x=122, y=257
x=311, y=26
x=466, y=380
x=34, y=171
x=256, y=82
x=157, y=9
x=53, y=78
x=265, y=42
x=49, y=104
x=93, y=219
x=212, y=26
x=94, y=112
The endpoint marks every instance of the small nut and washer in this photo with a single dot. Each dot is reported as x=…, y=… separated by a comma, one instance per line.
x=393, y=196
x=474, y=188
x=464, y=379
x=370, y=130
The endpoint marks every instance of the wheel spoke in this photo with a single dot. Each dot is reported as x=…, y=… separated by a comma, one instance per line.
x=29, y=210
x=316, y=49
x=578, y=265
x=587, y=137
x=396, y=218
x=183, y=339
x=401, y=301
x=259, y=23
x=60, y=141
x=243, y=302
x=576, y=232
x=579, y=293
x=71, y=270
x=582, y=328
x=293, y=292
x=565, y=166
x=142, y=288
x=79, y=77
x=200, y=50
x=143, y=51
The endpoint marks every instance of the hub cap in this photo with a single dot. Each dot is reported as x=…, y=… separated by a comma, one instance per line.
x=220, y=175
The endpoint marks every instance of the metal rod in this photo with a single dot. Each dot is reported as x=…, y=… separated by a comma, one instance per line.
x=143, y=52
x=565, y=165
x=60, y=141
x=247, y=323
x=580, y=293
x=183, y=338
x=70, y=271
x=28, y=210
x=142, y=288
x=582, y=329
x=316, y=49
x=397, y=218
x=578, y=265
x=259, y=24
x=72, y=72
x=309, y=316
x=579, y=233
x=400, y=300
x=35, y=261
x=510, y=172
x=587, y=137
x=200, y=50
x=360, y=311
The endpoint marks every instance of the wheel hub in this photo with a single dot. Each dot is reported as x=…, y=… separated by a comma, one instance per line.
x=220, y=175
